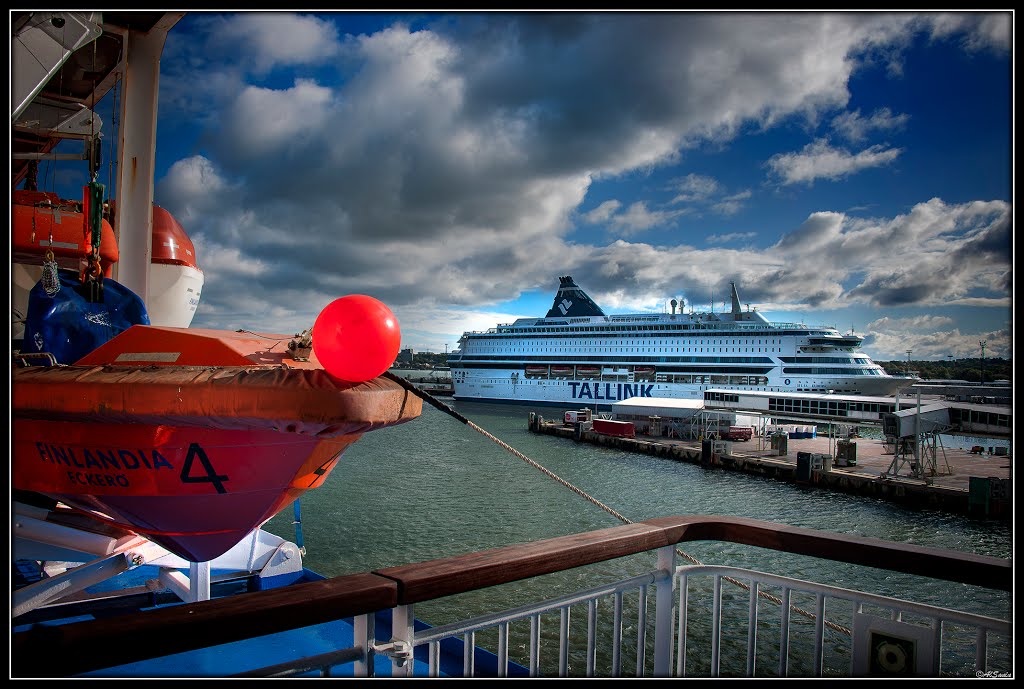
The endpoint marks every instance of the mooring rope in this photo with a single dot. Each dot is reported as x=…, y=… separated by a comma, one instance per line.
x=438, y=404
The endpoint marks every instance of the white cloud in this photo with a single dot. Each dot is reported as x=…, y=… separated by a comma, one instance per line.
x=976, y=30
x=852, y=126
x=637, y=218
x=918, y=323
x=819, y=160
x=194, y=178
x=265, y=122
x=733, y=204
x=938, y=345
x=603, y=212
x=695, y=187
x=730, y=237
x=272, y=39
x=704, y=193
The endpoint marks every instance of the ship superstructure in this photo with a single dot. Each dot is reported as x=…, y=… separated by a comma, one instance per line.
x=577, y=354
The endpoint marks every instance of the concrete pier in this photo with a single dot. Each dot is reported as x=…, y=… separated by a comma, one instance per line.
x=975, y=484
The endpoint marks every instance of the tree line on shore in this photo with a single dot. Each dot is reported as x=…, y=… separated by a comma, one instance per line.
x=972, y=370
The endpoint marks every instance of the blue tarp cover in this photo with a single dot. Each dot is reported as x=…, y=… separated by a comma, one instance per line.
x=69, y=326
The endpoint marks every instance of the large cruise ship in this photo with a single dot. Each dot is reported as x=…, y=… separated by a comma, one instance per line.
x=576, y=355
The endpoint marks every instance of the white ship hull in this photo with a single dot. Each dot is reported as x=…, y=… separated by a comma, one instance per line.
x=175, y=291
x=511, y=386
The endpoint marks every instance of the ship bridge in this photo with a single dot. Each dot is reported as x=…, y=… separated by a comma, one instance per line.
x=835, y=340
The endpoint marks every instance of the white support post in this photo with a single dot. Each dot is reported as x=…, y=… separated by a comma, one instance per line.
x=199, y=574
x=191, y=589
x=664, y=618
x=137, y=159
x=917, y=438
x=641, y=632
x=363, y=632
x=403, y=633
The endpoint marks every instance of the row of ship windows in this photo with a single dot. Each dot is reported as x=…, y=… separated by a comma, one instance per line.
x=615, y=361
x=732, y=380
x=482, y=350
x=492, y=382
x=703, y=377
x=825, y=359
x=832, y=371
x=605, y=329
x=500, y=342
x=803, y=361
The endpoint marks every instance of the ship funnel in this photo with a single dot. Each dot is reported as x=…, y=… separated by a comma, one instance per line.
x=570, y=300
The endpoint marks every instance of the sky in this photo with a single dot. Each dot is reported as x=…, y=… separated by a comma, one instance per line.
x=850, y=169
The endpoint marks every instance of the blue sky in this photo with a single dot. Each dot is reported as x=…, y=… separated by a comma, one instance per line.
x=852, y=169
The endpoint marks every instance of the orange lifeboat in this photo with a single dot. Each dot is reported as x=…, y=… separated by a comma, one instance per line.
x=41, y=222
x=190, y=437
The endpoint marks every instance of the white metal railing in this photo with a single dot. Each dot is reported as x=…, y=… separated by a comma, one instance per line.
x=748, y=634
x=468, y=630
x=901, y=624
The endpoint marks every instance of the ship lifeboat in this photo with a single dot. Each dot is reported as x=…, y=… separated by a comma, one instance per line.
x=561, y=371
x=643, y=372
x=536, y=370
x=588, y=371
x=175, y=281
x=42, y=222
x=190, y=437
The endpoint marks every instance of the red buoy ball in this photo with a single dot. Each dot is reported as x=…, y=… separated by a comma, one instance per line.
x=356, y=338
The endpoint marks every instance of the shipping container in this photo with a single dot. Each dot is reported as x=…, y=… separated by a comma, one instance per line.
x=738, y=433
x=624, y=429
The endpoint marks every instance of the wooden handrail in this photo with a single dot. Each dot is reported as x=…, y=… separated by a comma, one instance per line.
x=473, y=571
x=89, y=645
x=461, y=573
x=948, y=565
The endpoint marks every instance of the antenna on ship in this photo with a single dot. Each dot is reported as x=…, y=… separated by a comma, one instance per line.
x=674, y=304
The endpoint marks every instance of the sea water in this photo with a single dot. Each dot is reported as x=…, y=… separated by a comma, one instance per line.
x=435, y=487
